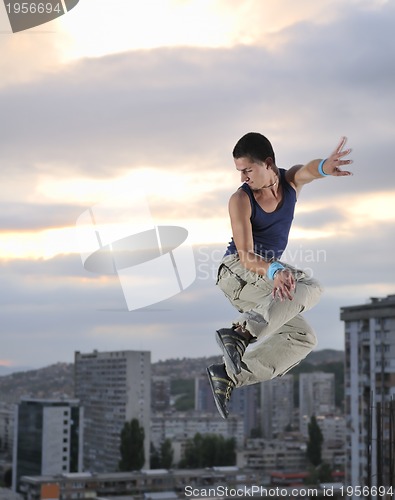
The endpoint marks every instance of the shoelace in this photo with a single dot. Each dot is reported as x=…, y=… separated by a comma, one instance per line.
x=228, y=392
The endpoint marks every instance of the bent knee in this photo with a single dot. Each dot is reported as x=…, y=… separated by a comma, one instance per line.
x=311, y=294
x=307, y=337
x=310, y=336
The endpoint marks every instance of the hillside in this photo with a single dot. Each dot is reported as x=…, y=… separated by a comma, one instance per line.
x=325, y=356
x=52, y=381
x=57, y=380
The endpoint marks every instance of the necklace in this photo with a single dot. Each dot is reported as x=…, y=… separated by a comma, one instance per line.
x=270, y=185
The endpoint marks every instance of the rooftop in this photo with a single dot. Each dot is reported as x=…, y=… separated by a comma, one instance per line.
x=6, y=494
x=377, y=307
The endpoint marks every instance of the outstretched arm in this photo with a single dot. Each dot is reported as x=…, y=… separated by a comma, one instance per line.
x=299, y=175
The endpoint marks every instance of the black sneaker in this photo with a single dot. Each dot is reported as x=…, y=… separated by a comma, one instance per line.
x=222, y=387
x=233, y=346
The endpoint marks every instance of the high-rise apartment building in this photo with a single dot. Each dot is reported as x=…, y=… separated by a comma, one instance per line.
x=48, y=438
x=369, y=386
x=160, y=393
x=114, y=388
x=244, y=402
x=316, y=395
x=6, y=428
x=277, y=406
x=204, y=401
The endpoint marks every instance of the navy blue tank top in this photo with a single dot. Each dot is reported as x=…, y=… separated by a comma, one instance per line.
x=270, y=230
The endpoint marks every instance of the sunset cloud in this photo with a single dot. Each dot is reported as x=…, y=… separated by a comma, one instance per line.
x=88, y=103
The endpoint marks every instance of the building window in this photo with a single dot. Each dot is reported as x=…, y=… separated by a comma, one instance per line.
x=364, y=325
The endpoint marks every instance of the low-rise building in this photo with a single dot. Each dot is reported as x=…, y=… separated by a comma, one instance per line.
x=179, y=427
x=275, y=454
x=138, y=483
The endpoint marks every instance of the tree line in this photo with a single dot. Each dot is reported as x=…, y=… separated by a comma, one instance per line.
x=208, y=451
x=200, y=451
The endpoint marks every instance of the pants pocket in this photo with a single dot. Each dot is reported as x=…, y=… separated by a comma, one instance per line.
x=229, y=282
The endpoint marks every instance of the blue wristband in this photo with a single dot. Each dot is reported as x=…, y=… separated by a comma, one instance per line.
x=273, y=268
x=320, y=168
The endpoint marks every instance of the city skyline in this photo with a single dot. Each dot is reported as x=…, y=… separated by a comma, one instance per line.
x=159, y=95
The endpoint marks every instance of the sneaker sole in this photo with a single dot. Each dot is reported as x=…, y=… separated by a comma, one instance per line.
x=228, y=360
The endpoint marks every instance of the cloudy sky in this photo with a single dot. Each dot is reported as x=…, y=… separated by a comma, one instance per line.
x=153, y=96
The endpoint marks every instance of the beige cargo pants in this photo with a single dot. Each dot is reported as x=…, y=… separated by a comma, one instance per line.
x=282, y=336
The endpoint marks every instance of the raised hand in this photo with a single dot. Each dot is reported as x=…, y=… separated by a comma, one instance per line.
x=334, y=161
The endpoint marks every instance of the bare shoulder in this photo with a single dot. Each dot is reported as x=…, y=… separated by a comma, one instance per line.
x=240, y=202
x=239, y=196
x=290, y=176
x=239, y=199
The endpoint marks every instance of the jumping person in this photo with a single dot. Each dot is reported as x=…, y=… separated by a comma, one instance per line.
x=269, y=294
